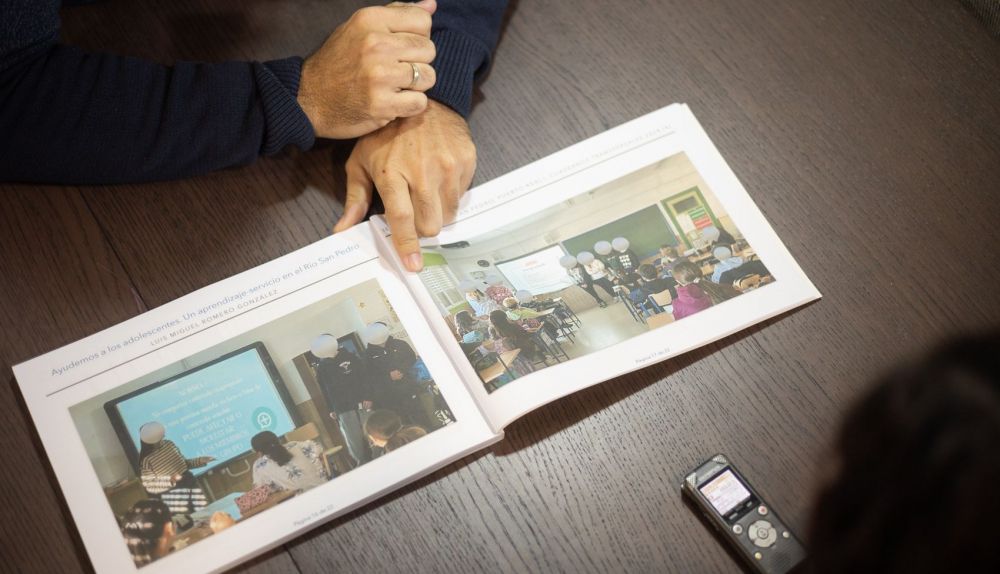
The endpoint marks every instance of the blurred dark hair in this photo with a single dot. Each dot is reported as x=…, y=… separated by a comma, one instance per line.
x=465, y=322
x=267, y=442
x=405, y=435
x=142, y=528
x=382, y=424
x=919, y=470
x=647, y=272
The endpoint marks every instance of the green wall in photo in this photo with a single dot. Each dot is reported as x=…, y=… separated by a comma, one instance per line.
x=645, y=230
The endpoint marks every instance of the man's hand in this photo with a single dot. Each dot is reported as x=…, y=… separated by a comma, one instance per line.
x=396, y=375
x=360, y=79
x=421, y=166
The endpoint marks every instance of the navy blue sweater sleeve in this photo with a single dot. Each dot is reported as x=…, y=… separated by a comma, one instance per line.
x=465, y=33
x=68, y=116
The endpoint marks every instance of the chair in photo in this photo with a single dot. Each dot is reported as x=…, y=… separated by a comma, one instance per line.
x=659, y=320
x=563, y=327
x=625, y=296
x=568, y=311
x=547, y=347
x=747, y=283
x=491, y=366
x=752, y=267
x=660, y=301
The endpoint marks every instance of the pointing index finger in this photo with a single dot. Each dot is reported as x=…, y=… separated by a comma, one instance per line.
x=395, y=193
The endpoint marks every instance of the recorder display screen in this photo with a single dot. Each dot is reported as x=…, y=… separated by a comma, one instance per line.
x=725, y=492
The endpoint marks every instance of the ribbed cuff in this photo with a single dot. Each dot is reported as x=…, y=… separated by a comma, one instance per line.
x=284, y=121
x=458, y=59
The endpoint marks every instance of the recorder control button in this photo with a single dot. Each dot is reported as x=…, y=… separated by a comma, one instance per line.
x=762, y=510
x=737, y=529
x=762, y=534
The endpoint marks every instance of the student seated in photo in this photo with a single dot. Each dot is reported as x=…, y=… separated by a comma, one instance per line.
x=166, y=474
x=528, y=318
x=515, y=312
x=668, y=256
x=496, y=290
x=480, y=303
x=471, y=329
x=148, y=531
x=726, y=262
x=508, y=336
x=295, y=466
x=652, y=283
x=386, y=430
x=695, y=293
x=916, y=465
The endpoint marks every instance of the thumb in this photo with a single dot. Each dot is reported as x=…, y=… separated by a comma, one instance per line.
x=359, y=197
x=429, y=5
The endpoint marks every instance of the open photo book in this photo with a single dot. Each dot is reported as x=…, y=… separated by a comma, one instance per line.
x=224, y=423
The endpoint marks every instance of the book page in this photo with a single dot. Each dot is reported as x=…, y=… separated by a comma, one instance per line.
x=221, y=424
x=624, y=250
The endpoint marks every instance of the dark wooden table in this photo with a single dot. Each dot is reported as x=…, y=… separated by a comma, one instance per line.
x=868, y=133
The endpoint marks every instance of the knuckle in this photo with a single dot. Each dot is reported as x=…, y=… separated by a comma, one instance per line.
x=417, y=105
x=400, y=215
x=364, y=16
x=428, y=228
x=448, y=165
x=372, y=42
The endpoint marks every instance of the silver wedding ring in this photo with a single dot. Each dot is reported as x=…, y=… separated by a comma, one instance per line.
x=416, y=76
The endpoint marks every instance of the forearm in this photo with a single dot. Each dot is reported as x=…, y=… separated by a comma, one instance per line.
x=465, y=33
x=73, y=117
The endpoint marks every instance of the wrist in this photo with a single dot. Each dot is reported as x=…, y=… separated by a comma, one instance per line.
x=305, y=98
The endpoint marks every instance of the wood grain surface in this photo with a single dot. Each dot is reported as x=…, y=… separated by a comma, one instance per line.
x=867, y=132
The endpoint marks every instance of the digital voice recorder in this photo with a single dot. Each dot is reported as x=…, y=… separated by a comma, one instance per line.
x=741, y=516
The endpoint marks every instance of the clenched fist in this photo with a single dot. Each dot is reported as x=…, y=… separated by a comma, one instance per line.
x=363, y=76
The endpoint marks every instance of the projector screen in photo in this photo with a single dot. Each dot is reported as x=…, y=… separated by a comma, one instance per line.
x=212, y=410
x=538, y=272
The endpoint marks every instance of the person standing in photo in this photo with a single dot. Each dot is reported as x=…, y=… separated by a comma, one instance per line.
x=342, y=377
x=583, y=279
x=390, y=362
x=166, y=474
x=598, y=272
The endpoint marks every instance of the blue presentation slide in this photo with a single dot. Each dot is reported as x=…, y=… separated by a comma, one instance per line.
x=212, y=411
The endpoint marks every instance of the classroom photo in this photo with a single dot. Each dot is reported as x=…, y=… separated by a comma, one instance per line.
x=643, y=251
x=222, y=436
